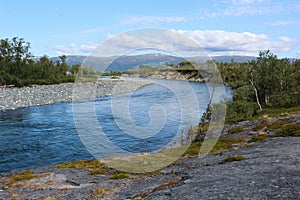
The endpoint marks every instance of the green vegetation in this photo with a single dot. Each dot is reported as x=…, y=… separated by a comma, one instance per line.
x=261, y=86
x=102, y=191
x=279, y=124
x=222, y=145
x=18, y=68
x=291, y=130
x=25, y=175
x=258, y=138
x=264, y=123
x=93, y=166
x=232, y=159
x=235, y=130
x=119, y=175
x=112, y=73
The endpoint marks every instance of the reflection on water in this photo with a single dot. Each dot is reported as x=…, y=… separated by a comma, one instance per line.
x=44, y=135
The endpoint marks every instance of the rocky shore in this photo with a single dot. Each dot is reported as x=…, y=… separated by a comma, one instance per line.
x=171, y=74
x=12, y=98
x=254, y=166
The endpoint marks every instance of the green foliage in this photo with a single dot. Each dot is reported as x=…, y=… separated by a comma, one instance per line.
x=25, y=175
x=119, y=175
x=19, y=69
x=235, y=130
x=292, y=130
x=258, y=138
x=94, y=166
x=240, y=111
x=222, y=145
x=232, y=159
x=279, y=124
x=264, y=123
x=111, y=73
x=268, y=82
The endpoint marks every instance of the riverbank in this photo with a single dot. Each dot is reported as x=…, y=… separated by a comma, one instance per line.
x=171, y=74
x=252, y=160
x=13, y=98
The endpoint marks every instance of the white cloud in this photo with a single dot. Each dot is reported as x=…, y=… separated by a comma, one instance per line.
x=74, y=49
x=215, y=42
x=224, y=43
x=284, y=23
x=151, y=20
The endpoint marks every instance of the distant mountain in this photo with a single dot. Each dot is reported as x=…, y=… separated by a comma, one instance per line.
x=129, y=62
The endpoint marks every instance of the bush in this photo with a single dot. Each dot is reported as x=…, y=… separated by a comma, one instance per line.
x=240, y=111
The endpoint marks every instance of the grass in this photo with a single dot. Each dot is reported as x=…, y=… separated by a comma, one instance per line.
x=102, y=191
x=277, y=112
x=222, y=145
x=262, y=125
x=25, y=175
x=119, y=175
x=279, y=124
x=232, y=159
x=236, y=129
x=291, y=130
x=258, y=138
x=93, y=166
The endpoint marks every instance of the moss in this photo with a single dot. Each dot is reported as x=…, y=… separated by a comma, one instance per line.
x=102, y=191
x=98, y=171
x=292, y=130
x=93, y=166
x=119, y=175
x=26, y=175
x=232, y=159
x=262, y=125
x=223, y=144
x=279, y=124
x=258, y=138
x=235, y=129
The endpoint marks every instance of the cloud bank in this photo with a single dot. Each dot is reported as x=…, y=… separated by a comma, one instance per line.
x=214, y=42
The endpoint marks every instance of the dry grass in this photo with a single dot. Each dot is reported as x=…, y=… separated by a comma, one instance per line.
x=102, y=191
x=232, y=159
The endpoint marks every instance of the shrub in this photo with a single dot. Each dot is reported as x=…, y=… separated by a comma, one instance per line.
x=240, y=111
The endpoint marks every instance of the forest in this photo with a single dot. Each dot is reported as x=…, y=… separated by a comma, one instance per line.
x=258, y=85
x=19, y=68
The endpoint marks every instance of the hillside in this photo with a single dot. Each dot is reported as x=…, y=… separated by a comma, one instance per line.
x=129, y=62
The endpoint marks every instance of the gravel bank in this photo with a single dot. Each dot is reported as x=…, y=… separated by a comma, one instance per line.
x=12, y=98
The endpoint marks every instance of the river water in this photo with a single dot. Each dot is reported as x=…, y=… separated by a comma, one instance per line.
x=43, y=135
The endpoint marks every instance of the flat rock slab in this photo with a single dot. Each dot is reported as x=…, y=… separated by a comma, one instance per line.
x=271, y=170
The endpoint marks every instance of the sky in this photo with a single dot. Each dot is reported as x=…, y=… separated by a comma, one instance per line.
x=224, y=27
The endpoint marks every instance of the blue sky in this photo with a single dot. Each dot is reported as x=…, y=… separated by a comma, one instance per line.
x=225, y=27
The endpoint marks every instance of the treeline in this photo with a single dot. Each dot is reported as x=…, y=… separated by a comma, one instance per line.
x=18, y=68
x=267, y=82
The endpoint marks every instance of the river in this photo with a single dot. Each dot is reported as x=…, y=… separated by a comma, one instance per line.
x=44, y=135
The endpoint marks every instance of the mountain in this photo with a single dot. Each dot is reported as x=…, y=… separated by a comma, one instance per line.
x=124, y=63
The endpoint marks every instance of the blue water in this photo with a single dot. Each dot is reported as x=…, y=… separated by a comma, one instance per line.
x=44, y=135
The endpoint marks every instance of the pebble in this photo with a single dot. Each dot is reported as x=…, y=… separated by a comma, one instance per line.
x=12, y=98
